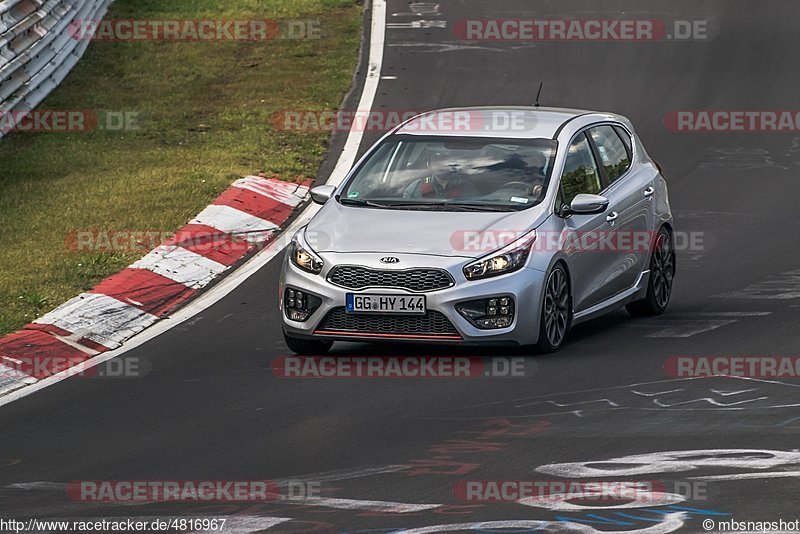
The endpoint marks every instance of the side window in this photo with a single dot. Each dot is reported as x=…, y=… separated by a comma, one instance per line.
x=613, y=153
x=626, y=138
x=580, y=170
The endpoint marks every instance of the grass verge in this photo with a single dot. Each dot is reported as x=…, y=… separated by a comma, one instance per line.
x=203, y=112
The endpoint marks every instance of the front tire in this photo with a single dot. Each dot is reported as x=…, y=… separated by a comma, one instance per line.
x=556, y=314
x=307, y=347
x=662, y=274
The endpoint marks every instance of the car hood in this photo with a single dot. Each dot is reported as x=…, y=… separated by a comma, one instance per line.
x=345, y=229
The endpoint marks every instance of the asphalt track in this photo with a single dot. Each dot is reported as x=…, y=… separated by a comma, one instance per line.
x=210, y=408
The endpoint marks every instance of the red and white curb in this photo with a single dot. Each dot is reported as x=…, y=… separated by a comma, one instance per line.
x=246, y=216
x=19, y=345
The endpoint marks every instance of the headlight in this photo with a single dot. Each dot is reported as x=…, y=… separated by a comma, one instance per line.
x=506, y=260
x=303, y=256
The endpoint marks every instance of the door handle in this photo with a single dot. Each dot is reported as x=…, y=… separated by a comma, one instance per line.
x=649, y=192
x=612, y=216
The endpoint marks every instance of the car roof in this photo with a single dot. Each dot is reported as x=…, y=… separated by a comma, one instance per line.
x=516, y=122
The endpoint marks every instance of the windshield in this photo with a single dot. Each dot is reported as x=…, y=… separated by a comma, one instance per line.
x=446, y=172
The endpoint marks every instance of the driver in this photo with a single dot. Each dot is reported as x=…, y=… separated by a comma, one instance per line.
x=442, y=181
x=528, y=176
x=539, y=162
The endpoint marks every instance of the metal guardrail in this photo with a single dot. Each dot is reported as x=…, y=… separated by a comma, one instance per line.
x=37, y=50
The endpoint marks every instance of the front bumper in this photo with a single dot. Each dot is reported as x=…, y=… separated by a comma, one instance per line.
x=524, y=286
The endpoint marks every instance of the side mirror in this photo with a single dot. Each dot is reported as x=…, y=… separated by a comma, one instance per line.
x=322, y=193
x=585, y=204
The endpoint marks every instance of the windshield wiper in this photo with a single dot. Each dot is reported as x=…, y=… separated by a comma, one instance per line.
x=362, y=202
x=470, y=206
x=480, y=207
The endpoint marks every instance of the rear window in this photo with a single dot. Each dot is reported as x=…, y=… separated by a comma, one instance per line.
x=613, y=153
x=626, y=139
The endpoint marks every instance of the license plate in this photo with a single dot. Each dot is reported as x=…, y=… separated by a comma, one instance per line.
x=370, y=303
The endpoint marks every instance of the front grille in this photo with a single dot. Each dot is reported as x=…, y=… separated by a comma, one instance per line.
x=354, y=277
x=433, y=324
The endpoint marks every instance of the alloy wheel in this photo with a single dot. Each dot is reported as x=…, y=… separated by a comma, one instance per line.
x=556, y=306
x=663, y=270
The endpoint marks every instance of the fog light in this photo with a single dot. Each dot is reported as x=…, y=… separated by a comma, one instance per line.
x=495, y=322
x=295, y=315
x=298, y=305
x=485, y=313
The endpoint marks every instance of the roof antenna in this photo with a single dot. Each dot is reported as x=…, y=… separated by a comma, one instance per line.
x=536, y=104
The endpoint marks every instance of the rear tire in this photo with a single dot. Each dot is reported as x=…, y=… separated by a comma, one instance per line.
x=556, y=314
x=662, y=274
x=307, y=347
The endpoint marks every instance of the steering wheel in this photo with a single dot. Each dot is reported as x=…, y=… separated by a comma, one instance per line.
x=531, y=189
x=520, y=184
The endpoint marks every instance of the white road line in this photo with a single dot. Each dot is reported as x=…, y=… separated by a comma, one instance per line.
x=417, y=25
x=669, y=523
x=682, y=325
x=263, y=257
x=656, y=394
x=332, y=476
x=745, y=476
x=778, y=287
x=247, y=523
x=707, y=400
x=39, y=485
x=724, y=393
x=688, y=328
x=726, y=314
x=358, y=504
x=376, y=45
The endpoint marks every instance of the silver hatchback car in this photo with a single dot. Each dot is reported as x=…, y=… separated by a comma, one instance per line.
x=483, y=225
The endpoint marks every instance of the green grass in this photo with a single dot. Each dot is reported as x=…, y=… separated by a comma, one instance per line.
x=205, y=112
